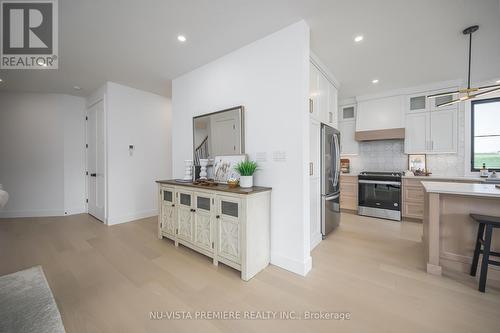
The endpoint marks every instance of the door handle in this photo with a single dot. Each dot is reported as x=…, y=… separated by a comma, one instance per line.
x=333, y=197
x=93, y=175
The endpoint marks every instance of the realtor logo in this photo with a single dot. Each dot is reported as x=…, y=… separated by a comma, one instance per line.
x=29, y=34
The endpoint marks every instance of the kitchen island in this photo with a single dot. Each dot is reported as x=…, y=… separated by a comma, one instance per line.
x=449, y=234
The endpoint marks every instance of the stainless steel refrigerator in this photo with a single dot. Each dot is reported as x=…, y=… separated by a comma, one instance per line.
x=330, y=179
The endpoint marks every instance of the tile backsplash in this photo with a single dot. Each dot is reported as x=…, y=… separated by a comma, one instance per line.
x=385, y=155
x=388, y=155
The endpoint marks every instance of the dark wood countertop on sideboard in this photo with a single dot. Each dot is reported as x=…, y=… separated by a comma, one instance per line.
x=219, y=187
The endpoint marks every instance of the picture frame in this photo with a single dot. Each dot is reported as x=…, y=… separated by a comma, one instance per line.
x=417, y=162
x=224, y=167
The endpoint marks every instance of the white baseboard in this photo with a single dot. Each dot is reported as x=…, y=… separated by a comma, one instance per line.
x=75, y=210
x=128, y=218
x=292, y=265
x=30, y=213
x=315, y=240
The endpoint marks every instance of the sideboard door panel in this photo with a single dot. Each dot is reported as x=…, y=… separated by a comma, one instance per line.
x=229, y=229
x=168, y=211
x=203, y=222
x=185, y=215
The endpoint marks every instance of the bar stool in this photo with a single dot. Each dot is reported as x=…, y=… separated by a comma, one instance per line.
x=485, y=223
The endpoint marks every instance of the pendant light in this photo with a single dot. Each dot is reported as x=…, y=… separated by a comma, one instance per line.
x=469, y=92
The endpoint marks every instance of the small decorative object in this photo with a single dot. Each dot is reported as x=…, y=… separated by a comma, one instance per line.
x=224, y=167
x=232, y=182
x=205, y=182
x=246, y=169
x=203, y=165
x=188, y=170
x=423, y=172
x=344, y=165
x=417, y=162
x=484, y=172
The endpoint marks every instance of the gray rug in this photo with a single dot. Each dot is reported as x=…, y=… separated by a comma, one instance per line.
x=27, y=304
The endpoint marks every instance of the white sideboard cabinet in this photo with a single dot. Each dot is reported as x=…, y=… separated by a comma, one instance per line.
x=231, y=226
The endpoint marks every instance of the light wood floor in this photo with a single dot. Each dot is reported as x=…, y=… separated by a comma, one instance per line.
x=108, y=279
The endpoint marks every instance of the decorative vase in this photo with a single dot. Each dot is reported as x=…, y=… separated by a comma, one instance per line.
x=203, y=170
x=188, y=171
x=246, y=181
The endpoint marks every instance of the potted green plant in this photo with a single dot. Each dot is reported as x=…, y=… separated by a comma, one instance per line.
x=246, y=170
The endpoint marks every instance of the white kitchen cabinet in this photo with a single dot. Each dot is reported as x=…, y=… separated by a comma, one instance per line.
x=231, y=226
x=314, y=182
x=332, y=106
x=432, y=132
x=444, y=131
x=417, y=102
x=417, y=133
x=323, y=98
x=348, y=144
x=314, y=92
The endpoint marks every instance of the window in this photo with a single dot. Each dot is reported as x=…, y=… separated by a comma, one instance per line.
x=485, y=138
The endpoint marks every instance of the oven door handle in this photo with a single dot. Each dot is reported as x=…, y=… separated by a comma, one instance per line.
x=382, y=182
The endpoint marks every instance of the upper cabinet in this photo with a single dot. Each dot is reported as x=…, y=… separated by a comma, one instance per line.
x=322, y=97
x=348, y=144
x=417, y=103
x=429, y=129
x=380, y=114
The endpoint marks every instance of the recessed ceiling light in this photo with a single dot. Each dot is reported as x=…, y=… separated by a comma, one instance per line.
x=181, y=38
x=358, y=39
x=1, y=80
x=77, y=87
x=374, y=81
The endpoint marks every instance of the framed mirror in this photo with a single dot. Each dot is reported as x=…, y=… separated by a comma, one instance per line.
x=218, y=133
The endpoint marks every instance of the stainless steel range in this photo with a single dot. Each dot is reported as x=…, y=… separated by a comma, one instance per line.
x=379, y=194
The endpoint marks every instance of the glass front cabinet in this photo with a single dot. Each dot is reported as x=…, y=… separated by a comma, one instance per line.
x=231, y=227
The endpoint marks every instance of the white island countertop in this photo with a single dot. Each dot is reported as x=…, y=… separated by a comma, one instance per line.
x=475, y=190
x=448, y=178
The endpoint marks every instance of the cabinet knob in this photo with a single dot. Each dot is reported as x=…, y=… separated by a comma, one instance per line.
x=217, y=216
x=193, y=210
x=173, y=205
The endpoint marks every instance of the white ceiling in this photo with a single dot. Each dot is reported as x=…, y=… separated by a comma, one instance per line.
x=406, y=43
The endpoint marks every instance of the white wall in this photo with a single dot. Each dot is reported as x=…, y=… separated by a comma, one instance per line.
x=41, y=154
x=142, y=119
x=270, y=78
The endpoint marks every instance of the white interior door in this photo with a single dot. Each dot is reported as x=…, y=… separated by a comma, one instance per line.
x=225, y=128
x=95, y=161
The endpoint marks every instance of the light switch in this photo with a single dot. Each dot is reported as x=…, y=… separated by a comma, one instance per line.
x=261, y=157
x=279, y=156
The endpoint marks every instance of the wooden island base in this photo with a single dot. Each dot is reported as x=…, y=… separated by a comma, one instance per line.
x=449, y=233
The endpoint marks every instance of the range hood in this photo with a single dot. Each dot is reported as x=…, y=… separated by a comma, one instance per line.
x=384, y=134
x=380, y=119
